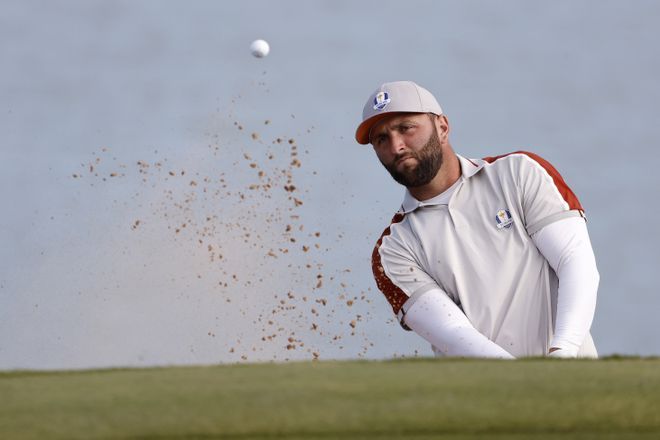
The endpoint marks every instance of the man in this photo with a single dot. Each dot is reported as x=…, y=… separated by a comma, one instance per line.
x=486, y=257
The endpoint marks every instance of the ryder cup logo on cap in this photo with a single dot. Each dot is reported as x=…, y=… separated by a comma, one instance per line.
x=381, y=100
x=394, y=97
x=503, y=218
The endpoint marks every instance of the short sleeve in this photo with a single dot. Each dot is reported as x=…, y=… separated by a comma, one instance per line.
x=545, y=196
x=397, y=272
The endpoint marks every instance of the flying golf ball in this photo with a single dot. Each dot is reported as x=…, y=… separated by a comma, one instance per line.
x=259, y=48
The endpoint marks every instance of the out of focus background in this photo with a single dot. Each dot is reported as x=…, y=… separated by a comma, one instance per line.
x=167, y=198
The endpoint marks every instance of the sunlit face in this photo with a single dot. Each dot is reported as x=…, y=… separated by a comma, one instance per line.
x=409, y=148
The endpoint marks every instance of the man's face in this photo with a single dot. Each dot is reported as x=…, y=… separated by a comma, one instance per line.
x=409, y=147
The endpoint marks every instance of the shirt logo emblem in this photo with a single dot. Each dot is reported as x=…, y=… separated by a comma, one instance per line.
x=504, y=219
x=381, y=100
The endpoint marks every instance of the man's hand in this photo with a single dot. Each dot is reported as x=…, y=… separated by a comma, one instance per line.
x=566, y=246
x=557, y=352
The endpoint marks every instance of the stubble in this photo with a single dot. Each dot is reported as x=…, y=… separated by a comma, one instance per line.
x=429, y=161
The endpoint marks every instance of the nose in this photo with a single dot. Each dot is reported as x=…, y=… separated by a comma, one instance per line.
x=397, y=143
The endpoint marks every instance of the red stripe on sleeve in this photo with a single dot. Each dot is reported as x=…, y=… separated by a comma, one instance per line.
x=395, y=296
x=568, y=195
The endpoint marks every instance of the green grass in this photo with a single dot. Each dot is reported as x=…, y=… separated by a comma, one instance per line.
x=420, y=399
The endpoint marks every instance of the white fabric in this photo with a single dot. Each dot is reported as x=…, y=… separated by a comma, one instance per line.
x=477, y=248
x=566, y=246
x=443, y=198
x=436, y=318
x=563, y=353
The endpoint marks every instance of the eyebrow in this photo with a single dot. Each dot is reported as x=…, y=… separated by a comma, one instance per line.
x=375, y=133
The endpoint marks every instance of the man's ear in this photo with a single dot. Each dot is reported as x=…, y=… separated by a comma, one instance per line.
x=442, y=125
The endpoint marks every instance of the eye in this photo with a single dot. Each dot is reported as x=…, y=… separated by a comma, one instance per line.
x=378, y=140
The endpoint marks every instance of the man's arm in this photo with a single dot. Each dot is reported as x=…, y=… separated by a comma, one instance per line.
x=436, y=318
x=420, y=303
x=566, y=246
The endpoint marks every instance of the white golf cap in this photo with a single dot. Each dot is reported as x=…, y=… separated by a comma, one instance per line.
x=394, y=97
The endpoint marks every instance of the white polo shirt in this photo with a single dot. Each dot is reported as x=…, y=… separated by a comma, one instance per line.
x=475, y=245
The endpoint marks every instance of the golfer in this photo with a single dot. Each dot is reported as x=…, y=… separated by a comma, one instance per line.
x=486, y=257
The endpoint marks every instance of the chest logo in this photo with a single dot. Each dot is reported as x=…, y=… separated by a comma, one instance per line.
x=503, y=219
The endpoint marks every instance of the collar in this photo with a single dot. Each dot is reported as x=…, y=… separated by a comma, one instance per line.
x=469, y=167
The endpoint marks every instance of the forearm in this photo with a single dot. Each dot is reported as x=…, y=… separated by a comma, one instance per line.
x=436, y=318
x=566, y=246
x=576, y=303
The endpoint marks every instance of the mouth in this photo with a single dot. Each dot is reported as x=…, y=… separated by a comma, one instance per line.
x=403, y=159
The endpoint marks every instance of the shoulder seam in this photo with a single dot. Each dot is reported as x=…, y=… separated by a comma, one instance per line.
x=564, y=190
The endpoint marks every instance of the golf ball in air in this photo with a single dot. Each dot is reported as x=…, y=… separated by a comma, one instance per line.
x=259, y=48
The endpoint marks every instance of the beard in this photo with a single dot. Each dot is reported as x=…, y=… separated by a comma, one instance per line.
x=429, y=161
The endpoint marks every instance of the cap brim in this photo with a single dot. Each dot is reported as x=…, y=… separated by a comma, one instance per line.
x=363, y=130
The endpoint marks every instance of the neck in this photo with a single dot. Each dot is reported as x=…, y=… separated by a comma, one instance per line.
x=447, y=175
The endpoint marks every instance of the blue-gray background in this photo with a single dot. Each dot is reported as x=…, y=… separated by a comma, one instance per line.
x=92, y=269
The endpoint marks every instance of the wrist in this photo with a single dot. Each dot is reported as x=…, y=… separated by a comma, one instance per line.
x=563, y=352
